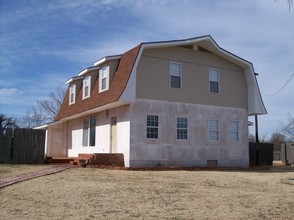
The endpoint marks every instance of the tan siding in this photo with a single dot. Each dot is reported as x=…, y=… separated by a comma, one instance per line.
x=153, y=78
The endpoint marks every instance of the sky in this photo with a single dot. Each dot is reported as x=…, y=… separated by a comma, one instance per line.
x=44, y=43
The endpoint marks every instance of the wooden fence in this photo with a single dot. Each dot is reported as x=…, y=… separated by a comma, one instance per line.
x=287, y=153
x=261, y=154
x=22, y=146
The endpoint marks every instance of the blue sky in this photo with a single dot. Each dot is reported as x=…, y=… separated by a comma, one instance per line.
x=43, y=43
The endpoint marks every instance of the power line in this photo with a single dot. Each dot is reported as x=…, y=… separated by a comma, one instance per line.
x=280, y=89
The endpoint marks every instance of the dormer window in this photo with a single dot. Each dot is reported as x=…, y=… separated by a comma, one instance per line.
x=86, y=87
x=103, y=78
x=72, y=94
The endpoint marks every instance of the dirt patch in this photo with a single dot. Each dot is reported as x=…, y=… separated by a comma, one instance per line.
x=86, y=193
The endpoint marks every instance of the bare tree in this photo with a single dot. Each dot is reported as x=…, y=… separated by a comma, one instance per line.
x=6, y=122
x=290, y=4
x=277, y=139
x=251, y=138
x=50, y=107
x=288, y=128
x=44, y=111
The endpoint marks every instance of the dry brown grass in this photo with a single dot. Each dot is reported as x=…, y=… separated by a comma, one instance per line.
x=8, y=170
x=88, y=193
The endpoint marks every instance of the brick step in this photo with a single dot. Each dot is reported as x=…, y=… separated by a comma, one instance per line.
x=110, y=159
x=59, y=159
x=85, y=157
x=98, y=159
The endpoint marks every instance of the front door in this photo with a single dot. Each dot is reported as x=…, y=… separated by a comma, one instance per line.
x=113, y=135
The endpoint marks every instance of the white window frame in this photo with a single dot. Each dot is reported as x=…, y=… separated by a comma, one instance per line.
x=172, y=74
x=212, y=79
x=106, y=77
x=86, y=87
x=154, y=126
x=234, y=134
x=72, y=94
x=182, y=136
x=213, y=131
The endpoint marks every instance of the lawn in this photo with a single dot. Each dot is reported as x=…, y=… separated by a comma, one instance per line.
x=8, y=170
x=89, y=193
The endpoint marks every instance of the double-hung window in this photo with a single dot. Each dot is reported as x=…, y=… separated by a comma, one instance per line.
x=72, y=94
x=152, y=127
x=213, y=130
x=86, y=87
x=104, y=78
x=89, y=131
x=175, y=75
x=234, y=131
x=214, y=78
x=182, y=128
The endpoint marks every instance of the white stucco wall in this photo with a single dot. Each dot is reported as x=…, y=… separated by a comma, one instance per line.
x=103, y=129
x=167, y=151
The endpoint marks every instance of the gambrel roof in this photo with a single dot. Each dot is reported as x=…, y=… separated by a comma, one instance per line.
x=122, y=89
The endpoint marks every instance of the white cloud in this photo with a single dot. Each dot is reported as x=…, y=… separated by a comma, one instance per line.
x=7, y=92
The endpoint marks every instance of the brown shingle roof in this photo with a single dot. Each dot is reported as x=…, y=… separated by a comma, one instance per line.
x=97, y=99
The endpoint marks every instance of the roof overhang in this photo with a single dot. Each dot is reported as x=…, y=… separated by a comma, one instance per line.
x=106, y=59
x=72, y=79
x=42, y=127
x=91, y=111
x=87, y=70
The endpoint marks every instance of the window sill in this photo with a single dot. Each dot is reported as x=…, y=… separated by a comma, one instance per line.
x=100, y=91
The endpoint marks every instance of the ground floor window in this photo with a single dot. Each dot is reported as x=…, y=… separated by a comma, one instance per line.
x=152, y=126
x=213, y=130
x=89, y=131
x=182, y=128
x=234, y=131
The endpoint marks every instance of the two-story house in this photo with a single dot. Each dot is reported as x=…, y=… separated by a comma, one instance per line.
x=169, y=103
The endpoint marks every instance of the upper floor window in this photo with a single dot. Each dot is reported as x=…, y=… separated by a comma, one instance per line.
x=103, y=85
x=86, y=87
x=72, y=94
x=152, y=126
x=214, y=80
x=234, y=131
x=175, y=75
x=213, y=130
x=182, y=128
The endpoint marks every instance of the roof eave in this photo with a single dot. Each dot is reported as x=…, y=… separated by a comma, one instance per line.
x=105, y=59
x=87, y=70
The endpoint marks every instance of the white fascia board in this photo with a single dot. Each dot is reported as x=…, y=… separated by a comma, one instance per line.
x=105, y=59
x=255, y=102
x=93, y=111
x=73, y=79
x=41, y=127
x=88, y=70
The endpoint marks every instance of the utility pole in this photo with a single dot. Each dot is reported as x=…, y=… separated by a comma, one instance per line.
x=256, y=130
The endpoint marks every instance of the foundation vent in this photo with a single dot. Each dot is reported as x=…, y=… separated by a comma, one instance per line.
x=212, y=163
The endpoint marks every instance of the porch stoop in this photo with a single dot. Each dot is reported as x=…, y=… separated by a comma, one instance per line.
x=59, y=160
x=85, y=157
x=99, y=159
x=111, y=159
